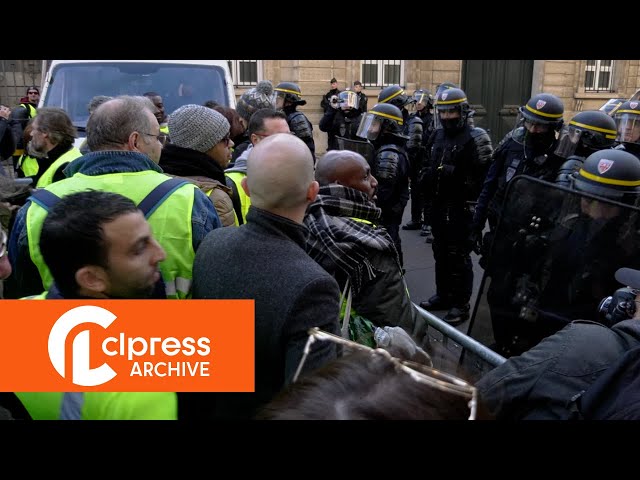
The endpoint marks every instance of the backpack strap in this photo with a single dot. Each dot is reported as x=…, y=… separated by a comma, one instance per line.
x=148, y=205
x=155, y=197
x=44, y=198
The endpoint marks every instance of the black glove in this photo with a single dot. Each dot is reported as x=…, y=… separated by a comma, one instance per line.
x=475, y=241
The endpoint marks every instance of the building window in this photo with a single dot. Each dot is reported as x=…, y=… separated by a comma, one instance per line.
x=598, y=76
x=244, y=72
x=380, y=73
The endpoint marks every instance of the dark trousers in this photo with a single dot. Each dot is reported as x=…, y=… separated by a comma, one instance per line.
x=454, y=270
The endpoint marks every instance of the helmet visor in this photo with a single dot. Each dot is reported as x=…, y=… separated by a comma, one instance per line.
x=420, y=97
x=568, y=141
x=277, y=99
x=370, y=126
x=349, y=100
x=628, y=128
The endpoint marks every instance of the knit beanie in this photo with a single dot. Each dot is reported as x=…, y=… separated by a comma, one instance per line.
x=197, y=127
x=255, y=99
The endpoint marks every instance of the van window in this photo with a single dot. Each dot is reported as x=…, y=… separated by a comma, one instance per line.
x=73, y=86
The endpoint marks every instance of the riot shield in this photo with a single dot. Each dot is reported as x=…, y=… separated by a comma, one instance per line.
x=364, y=148
x=553, y=259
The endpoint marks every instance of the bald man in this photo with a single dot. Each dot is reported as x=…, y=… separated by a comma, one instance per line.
x=346, y=240
x=265, y=260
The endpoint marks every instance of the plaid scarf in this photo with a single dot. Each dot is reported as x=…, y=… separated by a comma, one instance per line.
x=346, y=242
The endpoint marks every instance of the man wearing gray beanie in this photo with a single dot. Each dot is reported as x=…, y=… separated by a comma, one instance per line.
x=252, y=100
x=199, y=151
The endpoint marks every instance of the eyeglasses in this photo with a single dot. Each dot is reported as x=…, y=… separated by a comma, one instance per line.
x=162, y=138
x=33, y=93
x=418, y=372
x=3, y=245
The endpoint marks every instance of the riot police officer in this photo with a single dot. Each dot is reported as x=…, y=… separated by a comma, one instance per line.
x=586, y=133
x=382, y=125
x=457, y=167
x=343, y=119
x=628, y=121
x=287, y=96
x=568, y=267
x=527, y=149
x=420, y=121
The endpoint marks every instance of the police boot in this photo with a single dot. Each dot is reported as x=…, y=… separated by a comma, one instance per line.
x=457, y=315
x=426, y=232
x=411, y=225
x=435, y=303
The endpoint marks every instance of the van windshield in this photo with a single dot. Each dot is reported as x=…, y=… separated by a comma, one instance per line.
x=73, y=86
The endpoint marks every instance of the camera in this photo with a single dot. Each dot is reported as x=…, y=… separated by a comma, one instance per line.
x=619, y=306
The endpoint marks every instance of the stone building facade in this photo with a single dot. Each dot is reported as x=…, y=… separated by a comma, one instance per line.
x=564, y=78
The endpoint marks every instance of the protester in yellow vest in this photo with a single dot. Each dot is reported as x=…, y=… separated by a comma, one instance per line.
x=50, y=148
x=19, y=118
x=115, y=257
x=125, y=142
x=263, y=123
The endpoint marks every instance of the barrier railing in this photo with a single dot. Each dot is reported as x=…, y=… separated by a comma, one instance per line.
x=466, y=342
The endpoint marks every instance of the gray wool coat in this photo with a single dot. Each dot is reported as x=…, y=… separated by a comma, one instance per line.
x=265, y=260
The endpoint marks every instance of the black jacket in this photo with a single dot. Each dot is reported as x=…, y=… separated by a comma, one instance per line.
x=540, y=383
x=290, y=297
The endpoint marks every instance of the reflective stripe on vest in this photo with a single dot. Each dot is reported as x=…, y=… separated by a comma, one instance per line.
x=170, y=222
x=47, y=177
x=245, y=200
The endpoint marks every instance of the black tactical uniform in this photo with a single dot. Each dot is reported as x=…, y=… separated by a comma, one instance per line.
x=382, y=125
x=524, y=150
x=577, y=259
x=457, y=167
x=343, y=119
x=288, y=97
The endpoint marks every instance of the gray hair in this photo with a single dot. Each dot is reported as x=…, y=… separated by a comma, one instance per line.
x=97, y=101
x=56, y=123
x=111, y=124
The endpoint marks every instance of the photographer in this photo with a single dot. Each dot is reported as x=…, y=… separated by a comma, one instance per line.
x=544, y=382
x=342, y=119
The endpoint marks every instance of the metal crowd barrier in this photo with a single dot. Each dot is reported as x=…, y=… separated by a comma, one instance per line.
x=469, y=345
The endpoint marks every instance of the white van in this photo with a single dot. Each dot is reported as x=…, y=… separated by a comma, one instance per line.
x=71, y=84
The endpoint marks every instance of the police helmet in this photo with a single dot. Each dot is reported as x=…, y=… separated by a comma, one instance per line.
x=289, y=92
x=348, y=99
x=627, y=117
x=610, y=173
x=445, y=86
x=423, y=96
x=394, y=95
x=382, y=118
x=544, y=109
x=453, y=99
x=587, y=132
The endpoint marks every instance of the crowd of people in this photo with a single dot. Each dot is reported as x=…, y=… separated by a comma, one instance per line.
x=205, y=203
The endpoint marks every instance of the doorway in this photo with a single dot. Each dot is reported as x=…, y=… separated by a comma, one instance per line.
x=496, y=89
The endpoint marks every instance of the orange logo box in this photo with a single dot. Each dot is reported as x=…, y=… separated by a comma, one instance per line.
x=127, y=346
